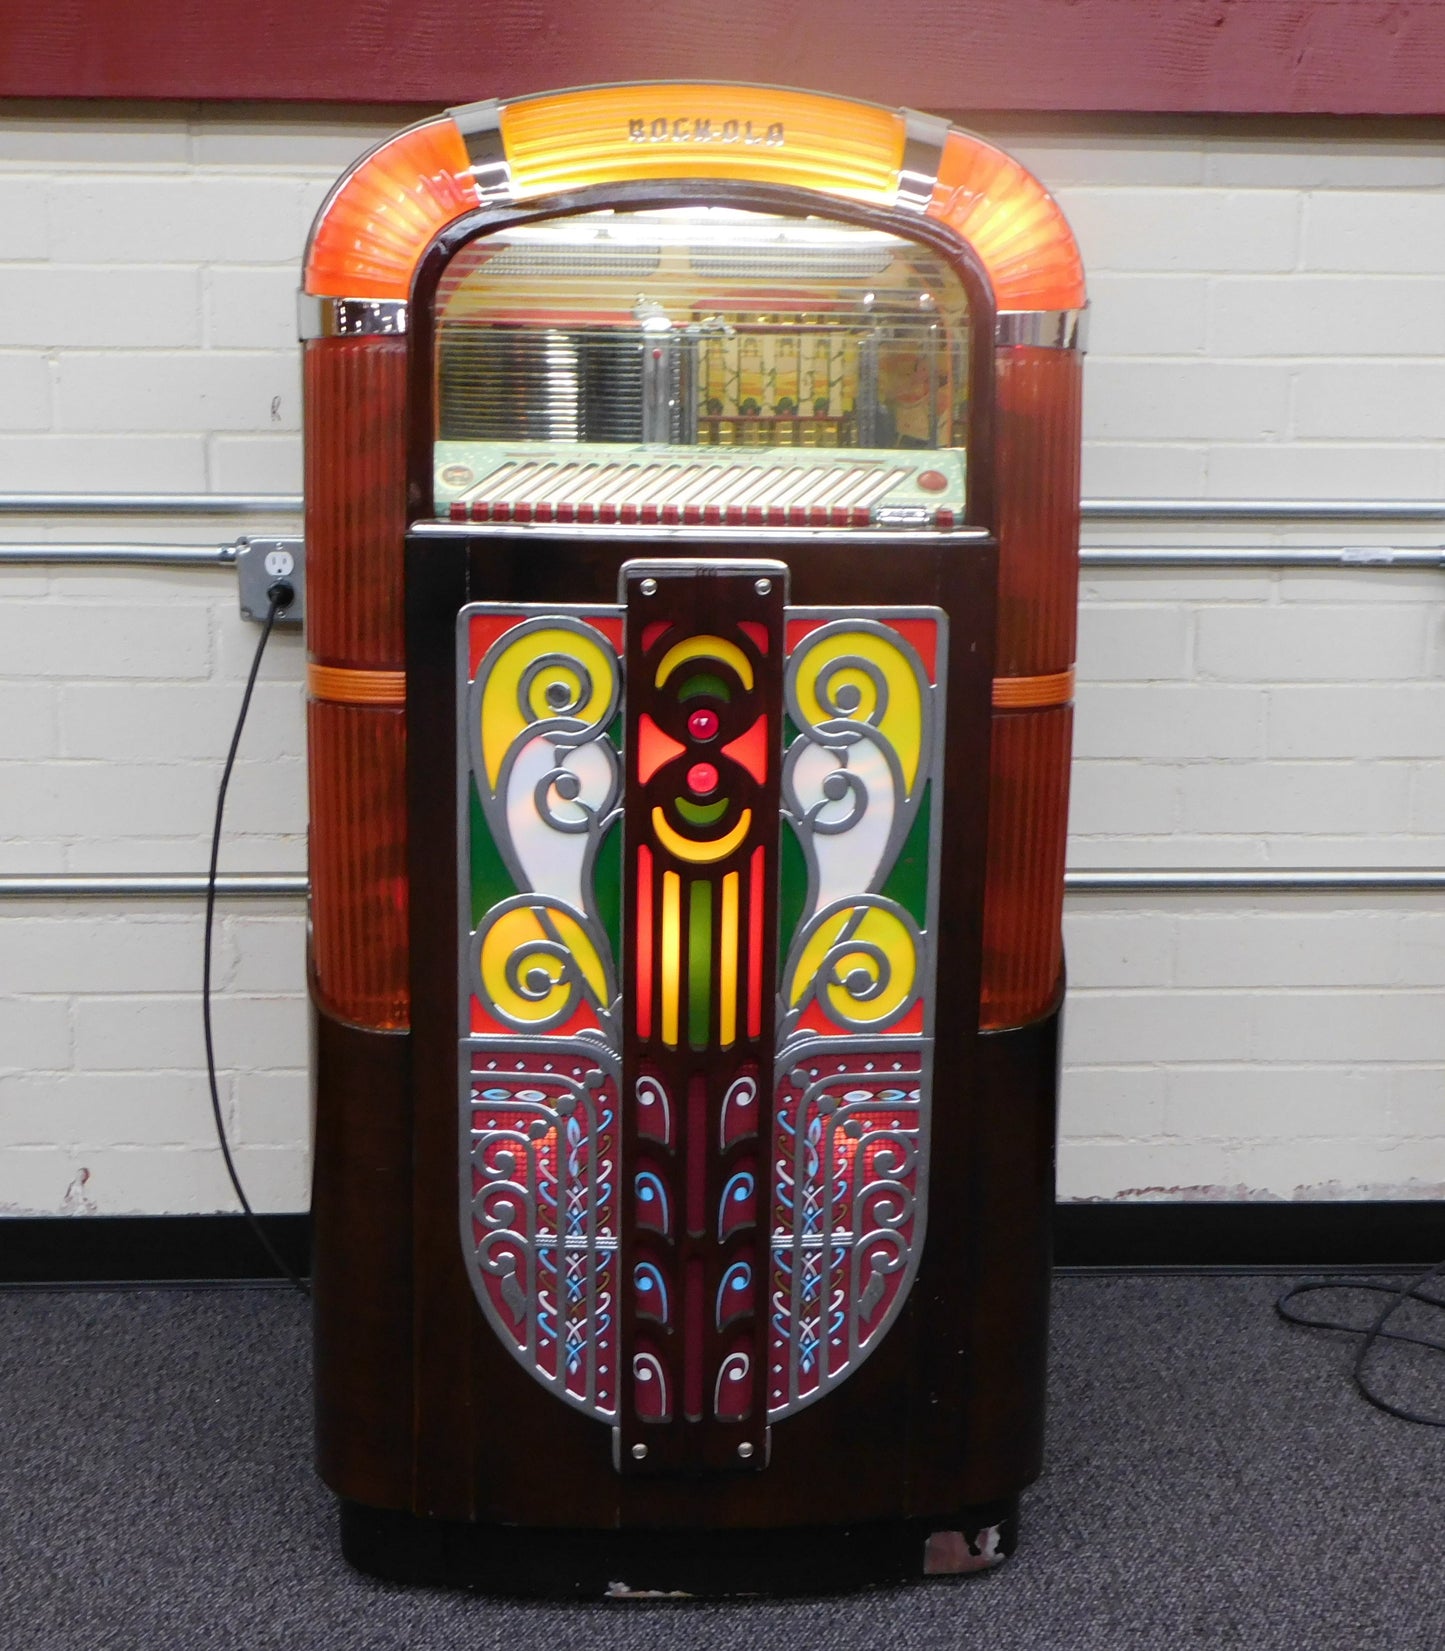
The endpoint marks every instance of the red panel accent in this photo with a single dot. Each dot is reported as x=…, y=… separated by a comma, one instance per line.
x=922, y=634
x=750, y=750
x=912, y=1022
x=611, y=628
x=483, y=632
x=797, y=629
x=651, y=632
x=1196, y=56
x=643, y=940
x=654, y=748
x=813, y=1019
x=757, y=634
x=581, y=1020
x=756, y=892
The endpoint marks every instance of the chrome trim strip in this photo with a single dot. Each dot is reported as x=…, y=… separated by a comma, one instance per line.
x=349, y=317
x=898, y=540
x=480, y=125
x=923, y=143
x=1043, y=329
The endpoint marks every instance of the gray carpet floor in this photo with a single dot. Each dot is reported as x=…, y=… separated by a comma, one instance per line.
x=1212, y=1480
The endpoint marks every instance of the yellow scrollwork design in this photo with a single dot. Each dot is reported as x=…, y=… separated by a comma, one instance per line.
x=857, y=674
x=544, y=673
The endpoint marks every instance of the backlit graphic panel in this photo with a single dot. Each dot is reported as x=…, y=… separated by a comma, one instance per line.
x=696, y=1039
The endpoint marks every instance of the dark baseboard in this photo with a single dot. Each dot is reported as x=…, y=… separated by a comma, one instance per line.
x=222, y=1249
x=149, y=1249
x=1334, y=1235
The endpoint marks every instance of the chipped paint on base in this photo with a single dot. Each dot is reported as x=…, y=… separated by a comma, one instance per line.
x=955, y=1553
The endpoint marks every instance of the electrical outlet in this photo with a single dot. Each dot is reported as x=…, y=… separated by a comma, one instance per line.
x=262, y=563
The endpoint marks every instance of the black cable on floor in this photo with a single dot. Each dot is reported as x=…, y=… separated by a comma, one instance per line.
x=279, y=597
x=1375, y=1332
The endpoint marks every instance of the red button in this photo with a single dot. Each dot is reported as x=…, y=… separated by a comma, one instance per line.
x=702, y=724
x=933, y=481
x=701, y=779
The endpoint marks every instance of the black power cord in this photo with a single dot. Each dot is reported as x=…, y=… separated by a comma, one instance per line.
x=279, y=597
x=1375, y=1332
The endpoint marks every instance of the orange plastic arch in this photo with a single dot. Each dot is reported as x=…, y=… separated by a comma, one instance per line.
x=375, y=226
x=1013, y=224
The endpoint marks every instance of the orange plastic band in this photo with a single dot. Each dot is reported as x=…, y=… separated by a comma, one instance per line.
x=1030, y=693
x=347, y=687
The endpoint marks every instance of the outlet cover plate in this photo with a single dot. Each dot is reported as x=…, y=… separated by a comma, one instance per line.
x=259, y=564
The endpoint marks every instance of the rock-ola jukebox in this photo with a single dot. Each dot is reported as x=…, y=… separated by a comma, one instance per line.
x=692, y=533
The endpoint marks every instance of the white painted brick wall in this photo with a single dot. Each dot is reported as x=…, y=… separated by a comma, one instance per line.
x=1269, y=321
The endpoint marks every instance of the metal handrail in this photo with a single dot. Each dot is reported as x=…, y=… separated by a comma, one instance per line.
x=1430, y=557
x=1170, y=880
x=1117, y=510
x=1375, y=557
x=150, y=504
x=136, y=556
x=1084, y=881
x=1249, y=880
x=44, y=885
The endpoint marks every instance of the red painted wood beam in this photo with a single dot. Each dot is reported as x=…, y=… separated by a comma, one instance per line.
x=1357, y=57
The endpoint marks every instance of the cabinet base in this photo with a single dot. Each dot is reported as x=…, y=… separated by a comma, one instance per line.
x=661, y=1564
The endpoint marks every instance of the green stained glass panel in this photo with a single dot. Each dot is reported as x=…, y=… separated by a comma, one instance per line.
x=699, y=963
x=907, y=883
x=607, y=888
x=792, y=889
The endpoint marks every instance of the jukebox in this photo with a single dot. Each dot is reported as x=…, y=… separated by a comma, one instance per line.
x=692, y=528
